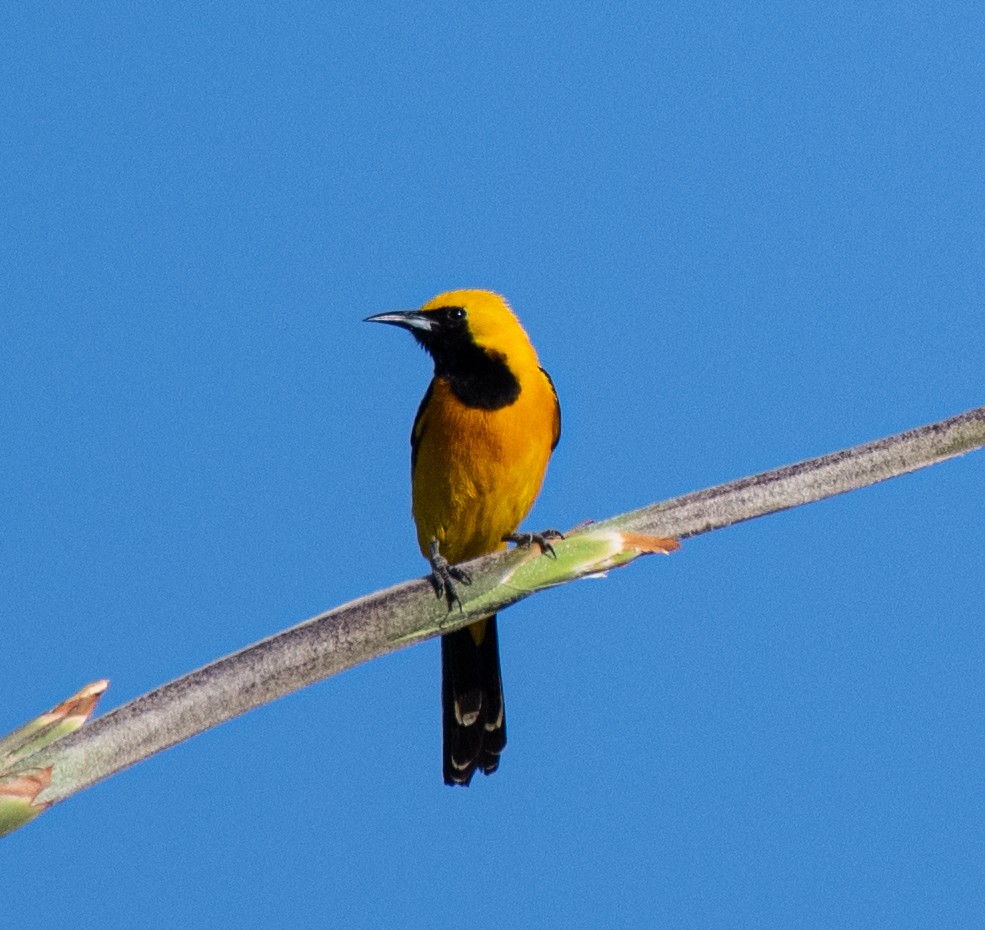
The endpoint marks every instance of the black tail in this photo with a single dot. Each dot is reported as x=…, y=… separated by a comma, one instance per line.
x=472, y=711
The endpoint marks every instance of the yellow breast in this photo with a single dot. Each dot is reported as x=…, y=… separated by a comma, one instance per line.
x=478, y=472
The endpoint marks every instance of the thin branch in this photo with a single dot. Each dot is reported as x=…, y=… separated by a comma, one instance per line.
x=409, y=612
x=809, y=481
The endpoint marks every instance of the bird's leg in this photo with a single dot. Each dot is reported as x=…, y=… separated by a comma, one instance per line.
x=444, y=575
x=528, y=539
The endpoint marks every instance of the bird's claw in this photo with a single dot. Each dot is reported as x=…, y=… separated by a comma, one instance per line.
x=443, y=577
x=542, y=540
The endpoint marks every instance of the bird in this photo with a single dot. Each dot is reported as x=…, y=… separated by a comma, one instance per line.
x=480, y=445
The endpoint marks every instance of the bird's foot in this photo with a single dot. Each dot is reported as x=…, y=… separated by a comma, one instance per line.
x=542, y=539
x=444, y=575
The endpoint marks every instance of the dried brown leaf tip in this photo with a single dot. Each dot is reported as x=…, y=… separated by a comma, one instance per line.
x=81, y=704
x=64, y=718
x=646, y=545
x=26, y=786
x=21, y=783
x=18, y=798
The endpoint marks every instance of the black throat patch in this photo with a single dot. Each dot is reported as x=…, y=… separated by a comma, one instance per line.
x=478, y=377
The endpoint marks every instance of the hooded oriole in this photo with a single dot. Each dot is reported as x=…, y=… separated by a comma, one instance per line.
x=479, y=449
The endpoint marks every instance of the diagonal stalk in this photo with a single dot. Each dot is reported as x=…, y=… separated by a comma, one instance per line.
x=391, y=619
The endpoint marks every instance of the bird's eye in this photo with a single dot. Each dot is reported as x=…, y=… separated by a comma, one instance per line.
x=456, y=314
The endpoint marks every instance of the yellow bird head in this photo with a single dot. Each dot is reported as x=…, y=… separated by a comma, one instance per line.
x=456, y=323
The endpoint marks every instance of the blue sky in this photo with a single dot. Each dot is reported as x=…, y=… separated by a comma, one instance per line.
x=737, y=237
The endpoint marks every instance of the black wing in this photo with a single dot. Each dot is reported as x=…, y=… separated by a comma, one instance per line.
x=417, y=430
x=557, y=411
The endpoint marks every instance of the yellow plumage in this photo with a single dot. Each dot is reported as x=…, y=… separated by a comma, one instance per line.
x=478, y=472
